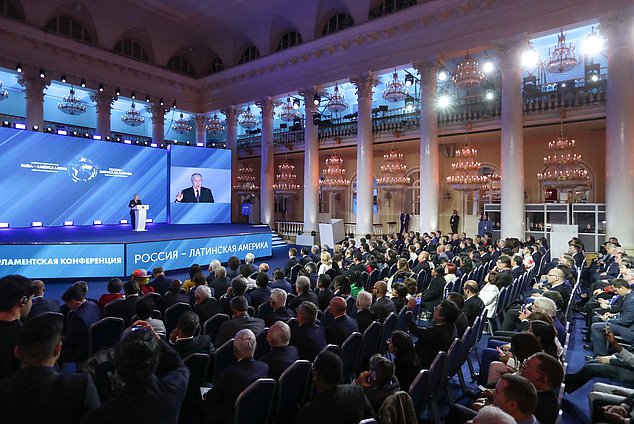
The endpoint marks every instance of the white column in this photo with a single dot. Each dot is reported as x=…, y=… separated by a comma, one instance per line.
x=103, y=106
x=365, y=153
x=231, y=117
x=34, y=87
x=619, y=133
x=512, y=149
x=311, y=165
x=201, y=131
x=429, y=165
x=267, y=164
x=158, y=124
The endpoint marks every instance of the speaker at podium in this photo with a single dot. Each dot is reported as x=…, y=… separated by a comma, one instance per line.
x=140, y=217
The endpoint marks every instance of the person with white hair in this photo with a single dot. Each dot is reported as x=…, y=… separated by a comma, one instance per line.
x=249, y=259
x=282, y=355
x=365, y=316
x=205, y=306
x=215, y=263
x=492, y=415
x=280, y=311
x=221, y=399
x=302, y=286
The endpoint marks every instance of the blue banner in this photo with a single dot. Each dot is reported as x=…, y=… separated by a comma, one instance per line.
x=62, y=261
x=177, y=254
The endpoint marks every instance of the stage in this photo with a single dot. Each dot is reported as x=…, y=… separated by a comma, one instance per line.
x=116, y=250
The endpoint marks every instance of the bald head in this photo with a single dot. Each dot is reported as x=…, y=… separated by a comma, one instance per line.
x=381, y=288
x=337, y=306
x=279, y=334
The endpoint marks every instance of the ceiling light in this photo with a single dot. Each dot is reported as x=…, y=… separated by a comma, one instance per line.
x=117, y=91
x=18, y=68
x=63, y=78
x=444, y=101
x=42, y=73
x=530, y=58
x=147, y=98
x=101, y=88
x=593, y=44
x=133, y=95
x=442, y=76
x=487, y=67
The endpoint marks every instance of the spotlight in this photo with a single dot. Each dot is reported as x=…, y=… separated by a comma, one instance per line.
x=594, y=78
x=200, y=145
x=123, y=221
x=68, y=223
x=133, y=95
x=593, y=44
x=316, y=118
x=96, y=222
x=6, y=123
x=108, y=138
x=42, y=73
x=224, y=146
x=174, y=105
x=74, y=133
x=101, y=88
x=409, y=104
x=63, y=78
x=83, y=83
x=530, y=58
x=86, y=135
x=49, y=130
x=213, y=144
x=18, y=68
x=96, y=137
x=316, y=99
x=19, y=126
x=149, y=220
x=37, y=224
x=161, y=102
x=153, y=145
x=117, y=91
x=409, y=80
x=593, y=72
x=442, y=76
x=4, y=225
x=126, y=141
x=296, y=104
x=487, y=67
x=489, y=95
x=444, y=101
x=147, y=98
x=62, y=132
x=36, y=128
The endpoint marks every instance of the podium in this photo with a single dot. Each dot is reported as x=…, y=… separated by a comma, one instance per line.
x=140, y=215
x=331, y=232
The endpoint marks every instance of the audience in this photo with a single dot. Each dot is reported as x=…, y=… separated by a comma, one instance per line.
x=342, y=325
x=206, y=306
x=440, y=333
x=40, y=303
x=282, y=355
x=183, y=339
x=173, y=296
x=240, y=320
x=126, y=308
x=144, y=308
x=308, y=337
x=115, y=285
x=379, y=381
x=279, y=310
x=365, y=316
x=383, y=306
x=82, y=315
x=160, y=283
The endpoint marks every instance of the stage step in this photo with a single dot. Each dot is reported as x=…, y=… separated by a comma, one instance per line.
x=276, y=240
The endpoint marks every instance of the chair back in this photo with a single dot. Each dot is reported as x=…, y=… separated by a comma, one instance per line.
x=351, y=309
x=327, y=318
x=173, y=314
x=155, y=296
x=393, y=269
x=385, y=273
x=332, y=348
x=389, y=325
x=197, y=364
x=402, y=319
x=223, y=358
x=466, y=343
x=374, y=277
x=369, y=344
x=292, y=390
x=452, y=363
x=104, y=333
x=365, y=278
x=421, y=279
x=350, y=354
x=426, y=382
x=109, y=305
x=398, y=408
x=262, y=347
x=211, y=327
x=292, y=322
x=295, y=272
x=289, y=299
x=255, y=403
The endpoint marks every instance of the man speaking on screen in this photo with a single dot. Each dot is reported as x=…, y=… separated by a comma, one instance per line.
x=196, y=193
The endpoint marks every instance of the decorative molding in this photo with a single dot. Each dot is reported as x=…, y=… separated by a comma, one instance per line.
x=267, y=107
x=364, y=84
x=231, y=115
x=103, y=102
x=509, y=51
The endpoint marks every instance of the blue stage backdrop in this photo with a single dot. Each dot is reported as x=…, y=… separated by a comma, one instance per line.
x=212, y=167
x=52, y=179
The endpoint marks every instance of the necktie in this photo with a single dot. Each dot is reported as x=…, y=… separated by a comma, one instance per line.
x=197, y=197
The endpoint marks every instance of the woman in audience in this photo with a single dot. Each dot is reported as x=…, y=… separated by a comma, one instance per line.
x=356, y=283
x=193, y=270
x=490, y=292
x=432, y=295
x=547, y=336
x=523, y=345
x=405, y=359
x=326, y=263
x=399, y=296
x=450, y=272
x=141, y=276
x=402, y=272
x=115, y=286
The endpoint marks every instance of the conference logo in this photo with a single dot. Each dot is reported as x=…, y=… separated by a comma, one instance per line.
x=83, y=170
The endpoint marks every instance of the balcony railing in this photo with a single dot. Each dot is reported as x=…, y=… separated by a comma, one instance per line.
x=293, y=228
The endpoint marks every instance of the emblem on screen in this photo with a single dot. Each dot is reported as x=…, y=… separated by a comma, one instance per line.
x=82, y=170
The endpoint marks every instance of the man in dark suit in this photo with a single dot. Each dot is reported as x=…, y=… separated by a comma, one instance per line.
x=40, y=304
x=622, y=326
x=305, y=256
x=160, y=282
x=126, y=309
x=279, y=282
x=262, y=293
x=325, y=292
x=146, y=396
x=281, y=356
x=16, y=293
x=357, y=264
x=221, y=399
x=517, y=268
x=50, y=396
x=383, y=306
x=172, y=297
x=292, y=261
x=302, y=285
x=404, y=218
x=454, y=220
x=134, y=202
x=196, y=193
x=308, y=337
x=364, y=316
x=82, y=314
x=473, y=305
x=206, y=306
x=280, y=311
x=240, y=320
x=220, y=283
x=183, y=340
x=342, y=325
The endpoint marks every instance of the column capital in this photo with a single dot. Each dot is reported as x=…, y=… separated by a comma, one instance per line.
x=364, y=84
x=509, y=51
x=103, y=101
x=230, y=113
x=428, y=70
x=158, y=113
x=201, y=119
x=34, y=86
x=267, y=106
x=617, y=27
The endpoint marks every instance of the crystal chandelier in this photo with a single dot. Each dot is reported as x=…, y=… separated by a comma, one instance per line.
x=4, y=94
x=393, y=172
x=71, y=105
x=467, y=74
x=334, y=176
x=132, y=117
x=215, y=125
x=247, y=120
x=563, y=58
x=465, y=170
x=288, y=112
x=336, y=102
x=395, y=91
x=563, y=167
x=285, y=180
x=492, y=189
x=246, y=182
x=182, y=125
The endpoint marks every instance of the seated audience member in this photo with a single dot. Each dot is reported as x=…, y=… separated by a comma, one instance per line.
x=310, y=271
x=245, y=272
x=189, y=283
x=240, y=320
x=405, y=359
x=144, y=308
x=37, y=393
x=308, y=337
x=183, y=340
x=281, y=356
x=141, y=277
x=233, y=263
x=304, y=294
x=326, y=263
x=436, y=337
x=356, y=283
x=546, y=374
x=379, y=381
x=249, y=259
x=517, y=317
x=16, y=293
x=334, y=403
x=461, y=322
x=160, y=283
x=492, y=415
x=155, y=381
x=41, y=304
x=325, y=292
x=172, y=297
x=383, y=306
x=399, y=295
x=517, y=268
x=238, y=288
x=220, y=283
x=279, y=281
x=262, y=293
x=365, y=316
x=82, y=314
x=292, y=260
x=199, y=280
x=547, y=336
x=611, y=404
x=280, y=311
x=473, y=305
x=221, y=399
x=206, y=306
x=305, y=257
x=402, y=272
x=490, y=292
x=555, y=282
x=115, y=285
x=620, y=326
x=126, y=309
x=342, y=325
x=509, y=358
x=213, y=264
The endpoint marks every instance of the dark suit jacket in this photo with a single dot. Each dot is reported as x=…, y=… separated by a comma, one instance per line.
x=220, y=286
x=431, y=340
x=365, y=317
x=279, y=359
x=420, y=266
x=309, y=340
x=229, y=328
x=340, y=328
x=197, y=344
x=279, y=314
x=259, y=296
x=305, y=259
x=161, y=284
x=190, y=197
x=383, y=307
x=42, y=305
x=171, y=299
x=473, y=308
x=282, y=284
x=626, y=317
x=461, y=324
x=309, y=296
x=158, y=401
x=75, y=346
x=41, y=394
x=220, y=400
x=324, y=297
x=207, y=309
x=346, y=404
x=517, y=272
x=125, y=309
x=290, y=264
x=433, y=295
